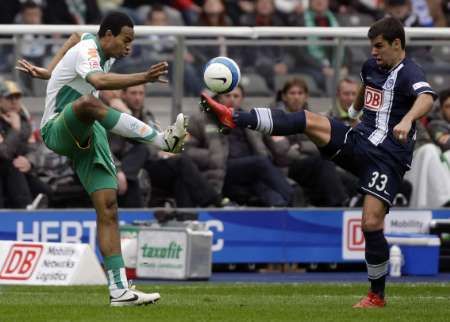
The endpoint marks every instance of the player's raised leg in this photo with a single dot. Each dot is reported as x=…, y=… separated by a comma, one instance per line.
x=376, y=252
x=272, y=121
x=88, y=109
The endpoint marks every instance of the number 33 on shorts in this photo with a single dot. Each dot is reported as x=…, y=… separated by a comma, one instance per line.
x=378, y=181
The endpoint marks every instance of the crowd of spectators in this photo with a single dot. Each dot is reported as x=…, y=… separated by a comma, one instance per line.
x=215, y=170
x=269, y=62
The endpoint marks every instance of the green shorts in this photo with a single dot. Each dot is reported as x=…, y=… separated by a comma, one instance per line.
x=86, y=145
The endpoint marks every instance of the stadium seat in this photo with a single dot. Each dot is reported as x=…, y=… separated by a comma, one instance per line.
x=441, y=53
x=314, y=90
x=354, y=20
x=255, y=85
x=159, y=89
x=439, y=81
x=39, y=87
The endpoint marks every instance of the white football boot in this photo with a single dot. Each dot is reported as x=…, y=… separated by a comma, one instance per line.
x=132, y=297
x=174, y=134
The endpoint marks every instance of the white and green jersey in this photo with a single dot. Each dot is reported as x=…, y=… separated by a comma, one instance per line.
x=68, y=80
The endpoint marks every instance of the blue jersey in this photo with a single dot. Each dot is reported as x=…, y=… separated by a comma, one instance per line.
x=388, y=97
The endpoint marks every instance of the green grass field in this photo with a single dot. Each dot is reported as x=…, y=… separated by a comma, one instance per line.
x=228, y=302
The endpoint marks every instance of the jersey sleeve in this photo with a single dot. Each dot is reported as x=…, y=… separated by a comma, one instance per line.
x=418, y=83
x=363, y=73
x=88, y=60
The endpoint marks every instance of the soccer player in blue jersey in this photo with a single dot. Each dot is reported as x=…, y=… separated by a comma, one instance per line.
x=378, y=150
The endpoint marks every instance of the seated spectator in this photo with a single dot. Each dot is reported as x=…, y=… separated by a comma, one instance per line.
x=161, y=48
x=15, y=130
x=403, y=11
x=305, y=165
x=317, y=60
x=239, y=164
x=266, y=61
x=346, y=92
x=176, y=175
x=440, y=128
x=32, y=47
x=80, y=12
x=429, y=174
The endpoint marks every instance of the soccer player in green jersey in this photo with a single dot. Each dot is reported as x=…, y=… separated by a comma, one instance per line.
x=75, y=124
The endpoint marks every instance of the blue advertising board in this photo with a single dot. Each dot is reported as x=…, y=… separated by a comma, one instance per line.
x=240, y=236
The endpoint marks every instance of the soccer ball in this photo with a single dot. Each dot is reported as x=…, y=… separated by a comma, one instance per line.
x=221, y=75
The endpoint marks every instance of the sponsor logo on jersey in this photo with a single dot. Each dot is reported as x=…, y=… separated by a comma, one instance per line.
x=373, y=98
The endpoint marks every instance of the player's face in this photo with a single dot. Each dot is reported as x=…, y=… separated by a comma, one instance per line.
x=347, y=94
x=445, y=110
x=386, y=55
x=134, y=97
x=121, y=44
x=295, y=98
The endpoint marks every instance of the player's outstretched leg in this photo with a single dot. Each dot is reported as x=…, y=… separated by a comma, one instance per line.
x=266, y=120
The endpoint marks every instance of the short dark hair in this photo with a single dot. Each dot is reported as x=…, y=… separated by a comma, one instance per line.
x=114, y=21
x=443, y=95
x=390, y=28
x=29, y=4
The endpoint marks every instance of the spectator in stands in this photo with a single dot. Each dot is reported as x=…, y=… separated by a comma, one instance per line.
x=32, y=47
x=238, y=164
x=15, y=130
x=429, y=173
x=317, y=61
x=440, y=128
x=189, y=9
x=176, y=175
x=162, y=48
x=346, y=92
x=79, y=12
x=318, y=177
x=213, y=14
x=267, y=61
x=237, y=8
x=403, y=11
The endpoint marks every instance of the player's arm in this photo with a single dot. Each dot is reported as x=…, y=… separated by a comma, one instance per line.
x=421, y=106
x=45, y=73
x=358, y=104
x=108, y=81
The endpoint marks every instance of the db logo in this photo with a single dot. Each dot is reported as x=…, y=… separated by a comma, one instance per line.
x=21, y=261
x=373, y=98
x=355, y=237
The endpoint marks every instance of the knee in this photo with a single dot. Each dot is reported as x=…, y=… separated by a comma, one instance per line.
x=372, y=222
x=108, y=211
x=88, y=103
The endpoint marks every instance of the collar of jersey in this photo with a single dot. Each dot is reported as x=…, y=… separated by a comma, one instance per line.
x=100, y=52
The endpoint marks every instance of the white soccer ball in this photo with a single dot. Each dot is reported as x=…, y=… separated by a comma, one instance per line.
x=221, y=75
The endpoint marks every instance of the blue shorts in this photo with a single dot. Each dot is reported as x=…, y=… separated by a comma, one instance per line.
x=379, y=174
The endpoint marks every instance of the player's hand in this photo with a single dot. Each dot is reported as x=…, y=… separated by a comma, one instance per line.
x=156, y=72
x=401, y=130
x=22, y=164
x=32, y=70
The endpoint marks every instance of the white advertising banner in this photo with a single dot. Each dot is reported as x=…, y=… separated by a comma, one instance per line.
x=162, y=254
x=49, y=264
x=397, y=221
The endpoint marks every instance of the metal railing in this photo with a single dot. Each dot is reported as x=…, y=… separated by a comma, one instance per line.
x=338, y=37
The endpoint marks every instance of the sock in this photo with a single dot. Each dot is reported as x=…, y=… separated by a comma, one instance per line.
x=130, y=127
x=377, y=259
x=271, y=121
x=115, y=271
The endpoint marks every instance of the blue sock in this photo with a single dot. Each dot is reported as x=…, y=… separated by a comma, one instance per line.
x=271, y=121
